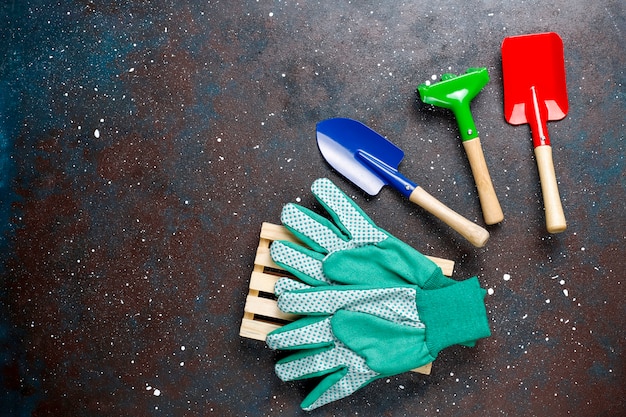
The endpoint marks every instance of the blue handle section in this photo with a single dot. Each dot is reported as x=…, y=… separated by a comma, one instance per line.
x=388, y=174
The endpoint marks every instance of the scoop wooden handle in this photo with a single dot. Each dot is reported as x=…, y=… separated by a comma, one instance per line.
x=555, y=218
x=492, y=212
x=469, y=230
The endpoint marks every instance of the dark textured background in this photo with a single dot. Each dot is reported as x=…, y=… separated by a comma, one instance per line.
x=142, y=143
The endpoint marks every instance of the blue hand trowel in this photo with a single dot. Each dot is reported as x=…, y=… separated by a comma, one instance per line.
x=370, y=161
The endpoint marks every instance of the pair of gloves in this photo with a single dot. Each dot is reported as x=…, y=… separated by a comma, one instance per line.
x=372, y=306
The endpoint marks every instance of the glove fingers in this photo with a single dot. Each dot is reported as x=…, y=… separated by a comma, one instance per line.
x=336, y=386
x=310, y=365
x=348, y=216
x=301, y=262
x=326, y=300
x=305, y=333
x=314, y=230
x=284, y=285
x=396, y=305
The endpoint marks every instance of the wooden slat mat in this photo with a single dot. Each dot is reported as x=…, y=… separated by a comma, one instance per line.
x=261, y=313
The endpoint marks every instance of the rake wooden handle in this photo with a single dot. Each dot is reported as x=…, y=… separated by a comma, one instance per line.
x=555, y=218
x=492, y=212
x=469, y=230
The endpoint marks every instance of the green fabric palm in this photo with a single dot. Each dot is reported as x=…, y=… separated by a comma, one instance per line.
x=351, y=249
x=354, y=334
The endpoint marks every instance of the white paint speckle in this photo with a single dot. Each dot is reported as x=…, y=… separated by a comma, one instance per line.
x=490, y=291
x=548, y=301
x=182, y=348
x=565, y=292
x=156, y=392
x=271, y=14
x=506, y=277
x=96, y=133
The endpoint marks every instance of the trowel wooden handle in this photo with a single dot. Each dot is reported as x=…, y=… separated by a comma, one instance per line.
x=469, y=230
x=492, y=212
x=555, y=218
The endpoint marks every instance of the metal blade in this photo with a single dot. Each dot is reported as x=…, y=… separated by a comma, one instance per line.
x=340, y=140
x=533, y=61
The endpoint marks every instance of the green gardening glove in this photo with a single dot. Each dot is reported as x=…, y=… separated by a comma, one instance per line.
x=352, y=335
x=350, y=250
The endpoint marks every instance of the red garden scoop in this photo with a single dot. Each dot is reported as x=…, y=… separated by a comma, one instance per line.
x=535, y=92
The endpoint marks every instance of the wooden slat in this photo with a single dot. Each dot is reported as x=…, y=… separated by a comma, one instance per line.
x=256, y=329
x=263, y=258
x=271, y=231
x=268, y=308
x=261, y=281
x=424, y=369
x=446, y=265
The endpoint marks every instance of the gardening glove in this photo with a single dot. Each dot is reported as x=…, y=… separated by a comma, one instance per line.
x=350, y=250
x=352, y=335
